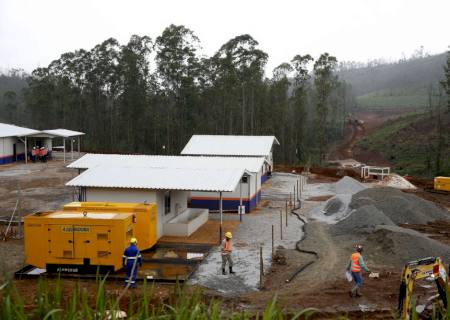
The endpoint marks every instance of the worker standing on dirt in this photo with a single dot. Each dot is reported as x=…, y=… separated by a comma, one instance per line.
x=355, y=265
x=131, y=259
x=226, y=253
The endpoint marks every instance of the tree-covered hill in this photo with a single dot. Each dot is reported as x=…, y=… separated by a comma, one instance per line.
x=408, y=75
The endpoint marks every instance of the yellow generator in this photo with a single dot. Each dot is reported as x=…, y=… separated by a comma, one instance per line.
x=144, y=215
x=80, y=239
x=442, y=183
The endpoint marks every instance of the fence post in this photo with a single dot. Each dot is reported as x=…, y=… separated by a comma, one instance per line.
x=272, y=241
x=281, y=225
x=261, y=268
x=286, y=218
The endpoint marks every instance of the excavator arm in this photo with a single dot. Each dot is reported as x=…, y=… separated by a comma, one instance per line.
x=416, y=270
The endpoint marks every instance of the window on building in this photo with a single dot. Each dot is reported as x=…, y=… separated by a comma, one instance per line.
x=244, y=179
x=167, y=202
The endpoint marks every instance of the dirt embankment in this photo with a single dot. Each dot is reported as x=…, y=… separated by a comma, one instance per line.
x=369, y=121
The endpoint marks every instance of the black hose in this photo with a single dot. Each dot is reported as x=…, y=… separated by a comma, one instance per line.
x=299, y=270
x=297, y=246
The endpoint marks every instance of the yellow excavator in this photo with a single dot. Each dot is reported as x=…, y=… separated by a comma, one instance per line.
x=431, y=267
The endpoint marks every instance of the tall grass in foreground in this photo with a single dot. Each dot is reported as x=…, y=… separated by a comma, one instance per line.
x=50, y=304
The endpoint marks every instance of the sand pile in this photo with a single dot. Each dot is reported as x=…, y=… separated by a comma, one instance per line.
x=396, y=246
x=396, y=181
x=398, y=206
x=362, y=220
x=348, y=185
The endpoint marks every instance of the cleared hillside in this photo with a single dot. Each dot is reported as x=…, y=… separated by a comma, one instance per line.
x=411, y=144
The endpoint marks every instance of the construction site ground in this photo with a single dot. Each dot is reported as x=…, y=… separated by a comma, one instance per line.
x=320, y=285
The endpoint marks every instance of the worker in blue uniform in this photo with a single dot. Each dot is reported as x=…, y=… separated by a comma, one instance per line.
x=131, y=259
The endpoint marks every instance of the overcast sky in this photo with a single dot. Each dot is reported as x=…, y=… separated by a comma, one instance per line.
x=34, y=32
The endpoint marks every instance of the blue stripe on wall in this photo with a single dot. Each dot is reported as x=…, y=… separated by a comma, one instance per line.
x=227, y=205
x=9, y=159
x=264, y=178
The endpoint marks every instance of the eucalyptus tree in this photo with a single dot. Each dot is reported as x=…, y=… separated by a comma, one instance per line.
x=299, y=100
x=136, y=80
x=178, y=70
x=324, y=81
x=279, y=93
x=446, y=82
x=10, y=105
x=239, y=67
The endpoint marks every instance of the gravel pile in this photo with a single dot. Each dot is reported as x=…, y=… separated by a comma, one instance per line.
x=362, y=220
x=398, y=206
x=348, y=185
x=397, y=246
x=333, y=206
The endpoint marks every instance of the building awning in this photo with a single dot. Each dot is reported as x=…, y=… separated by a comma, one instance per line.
x=9, y=130
x=251, y=164
x=223, y=180
x=64, y=133
x=223, y=145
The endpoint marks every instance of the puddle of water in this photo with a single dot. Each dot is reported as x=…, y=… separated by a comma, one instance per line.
x=174, y=253
x=165, y=271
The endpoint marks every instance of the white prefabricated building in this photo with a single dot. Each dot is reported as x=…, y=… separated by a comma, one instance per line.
x=169, y=188
x=247, y=193
x=233, y=145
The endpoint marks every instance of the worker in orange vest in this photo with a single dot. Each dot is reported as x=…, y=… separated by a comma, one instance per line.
x=226, y=253
x=355, y=265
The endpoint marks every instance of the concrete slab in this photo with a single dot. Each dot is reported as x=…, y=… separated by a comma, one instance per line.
x=253, y=232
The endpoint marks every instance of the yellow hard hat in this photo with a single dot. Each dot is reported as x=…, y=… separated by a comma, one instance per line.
x=133, y=240
x=228, y=235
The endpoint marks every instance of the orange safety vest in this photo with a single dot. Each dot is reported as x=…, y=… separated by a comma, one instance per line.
x=354, y=266
x=227, y=246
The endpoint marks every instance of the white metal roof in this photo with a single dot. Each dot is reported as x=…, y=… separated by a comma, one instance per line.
x=229, y=145
x=91, y=160
x=64, y=133
x=159, y=178
x=9, y=130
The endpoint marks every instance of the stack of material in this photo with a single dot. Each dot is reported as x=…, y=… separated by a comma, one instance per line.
x=398, y=206
x=348, y=185
x=395, y=245
x=363, y=220
x=373, y=219
x=396, y=181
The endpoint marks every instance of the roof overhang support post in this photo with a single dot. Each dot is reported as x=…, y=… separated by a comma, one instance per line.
x=256, y=189
x=71, y=148
x=78, y=146
x=240, y=200
x=221, y=215
x=249, y=194
x=64, y=149
x=26, y=150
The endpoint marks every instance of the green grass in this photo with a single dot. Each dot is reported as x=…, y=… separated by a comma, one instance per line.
x=392, y=101
x=50, y=304
x=404, y=143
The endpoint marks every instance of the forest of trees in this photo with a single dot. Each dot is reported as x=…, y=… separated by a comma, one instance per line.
x=150, y=96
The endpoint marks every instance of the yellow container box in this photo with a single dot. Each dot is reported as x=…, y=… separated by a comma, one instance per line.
x=145, y=217
x=70, y=241
x=85, y=235
x=442, y=183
